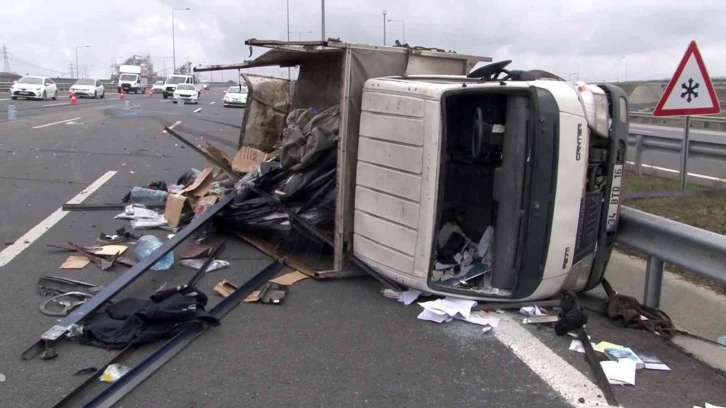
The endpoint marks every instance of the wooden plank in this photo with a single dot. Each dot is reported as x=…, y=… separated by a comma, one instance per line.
x=392, y=104
x=268, y=248
x=393, y=128
x=389, y=181
x=366, y=248
x=385, y=232
x=387, y=206
x=406, y=158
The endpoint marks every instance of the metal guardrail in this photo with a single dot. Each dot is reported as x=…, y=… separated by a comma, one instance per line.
x=715, y=119
x=665, y=241
x=642, y=142
x=63, y=86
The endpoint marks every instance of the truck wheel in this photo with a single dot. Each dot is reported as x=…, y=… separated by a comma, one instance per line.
x=55, y=95
x=95, y=94
x=166, y=96
x=45, y=96
x=103, y=94
x=15, y=98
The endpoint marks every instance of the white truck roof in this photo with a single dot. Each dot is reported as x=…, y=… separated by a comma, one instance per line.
x=129, y=69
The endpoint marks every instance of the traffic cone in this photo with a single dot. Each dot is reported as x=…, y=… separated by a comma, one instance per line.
x=151, y=91
x=74, y=101
x=121, y=94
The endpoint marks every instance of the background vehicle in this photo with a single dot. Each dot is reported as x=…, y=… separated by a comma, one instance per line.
x=173, y=80
x=34, y=87
x=204, y=85
x=88, y=87
x=519, y=169
x=158, y=87
x=131, y=78
x=235, y=96
x=187, y=92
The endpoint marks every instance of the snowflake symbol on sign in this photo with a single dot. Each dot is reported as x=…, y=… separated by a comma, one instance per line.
x=690, y=90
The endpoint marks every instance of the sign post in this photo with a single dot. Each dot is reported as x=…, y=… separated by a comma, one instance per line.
x=694, y=95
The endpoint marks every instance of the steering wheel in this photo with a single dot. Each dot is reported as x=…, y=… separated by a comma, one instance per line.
x=491, y=72
x=480, y=133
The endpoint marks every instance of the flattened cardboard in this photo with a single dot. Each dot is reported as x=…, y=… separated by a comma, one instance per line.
x=110, y=250
x=248, y=159
x=193, y=251
x=174, y=207
x=289, y=278
x=224, y=288
x=218, y=154
x=75, y=262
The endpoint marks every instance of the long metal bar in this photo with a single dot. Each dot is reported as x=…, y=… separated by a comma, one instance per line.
x=639, y=154
x=80, y=313
x=206, y=155
x=203, y=269
x=103, y=206
x=653, y=282
x=684, y=154
x=121, y=387
x=602, y=379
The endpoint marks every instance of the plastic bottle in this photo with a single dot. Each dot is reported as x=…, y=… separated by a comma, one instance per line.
x=127, y=104
x=146, y=245
x=142, y=195
x=181, y=102
x=12, y=112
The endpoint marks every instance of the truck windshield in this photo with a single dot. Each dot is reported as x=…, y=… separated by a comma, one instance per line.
x=186, y=87
x=237, y=89
x=86, y=82
x=176, y=80
x=128, y=77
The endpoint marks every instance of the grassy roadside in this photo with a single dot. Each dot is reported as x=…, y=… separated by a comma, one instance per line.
x=708, y=213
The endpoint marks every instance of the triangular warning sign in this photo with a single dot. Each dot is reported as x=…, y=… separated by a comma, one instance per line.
x=690, y=91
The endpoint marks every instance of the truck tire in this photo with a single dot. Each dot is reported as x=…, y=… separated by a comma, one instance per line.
x=166, y=95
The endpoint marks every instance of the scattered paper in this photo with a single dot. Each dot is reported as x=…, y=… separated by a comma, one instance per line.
x=540, y=319
x=532, y=311
x=605, y=345
x=132, y=212
x=113, y=373
x=2, y=378
x=391, y=294
x=432, y=316
x=711, y=406
x=110, y=250
x=450, y=306
x=620, y=372
x=577, y=346
x=486, y=328
x=289, y=278
x=624, y=353
x=195, y=264
x=75, y=262
x=149, y=223
x=481, y=318
x=652, y=362
x=409, y=296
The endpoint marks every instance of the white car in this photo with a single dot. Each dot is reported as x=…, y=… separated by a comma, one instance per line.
x=158, y=86
x=187, y=92
x=91, y=88
x=235, y=96
x=34, y=87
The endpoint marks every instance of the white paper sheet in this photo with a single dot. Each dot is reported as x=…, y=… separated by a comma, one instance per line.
x=480, y=319
x=532, y=311
x=432, y=316
x=620, y=372
x=409, y=296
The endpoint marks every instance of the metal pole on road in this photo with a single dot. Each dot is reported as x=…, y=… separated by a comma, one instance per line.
x=639, y=154
x=173, y=40
x=653, y=282
x=684, y=154
x=78, y=68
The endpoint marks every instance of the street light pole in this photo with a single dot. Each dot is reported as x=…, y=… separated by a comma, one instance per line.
x=78, y=69
x=322, y=14
x=403, y=23
x=289, y=78
x=173, y=40
x=384, y=27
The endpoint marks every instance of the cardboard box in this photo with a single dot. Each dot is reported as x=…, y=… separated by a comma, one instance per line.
x=248, y=159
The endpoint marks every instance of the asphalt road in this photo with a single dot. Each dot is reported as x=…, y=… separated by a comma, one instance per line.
x=699, y=165
x=331, y=344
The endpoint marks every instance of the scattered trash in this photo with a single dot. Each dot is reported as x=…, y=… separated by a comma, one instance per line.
x=225, y=289
x=67, y=302
x=48, y=354
x=134, y=212
x=722, y=340
x=87, y=370
x=289, y=279
x=272, y=293
x=627, y=311
x=56, y=285
x=195, y=264
x=195, y=251
x=624, y=353
x=532, y=311
x=110, y=250
x=75, y=262
x=12, y=112
x=605, y=345
x=121, y=235
x=143, y=195
x=576, y=345
x=620, y=372
x=113, y=372
x=709, y=406
x=540, y=319
x=448, y=309
x=2, y=378
x=146, y=245
x=572, y=315
x=481, y=318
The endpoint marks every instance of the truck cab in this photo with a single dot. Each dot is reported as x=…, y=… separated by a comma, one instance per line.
x=132, y=78
x=172, y=81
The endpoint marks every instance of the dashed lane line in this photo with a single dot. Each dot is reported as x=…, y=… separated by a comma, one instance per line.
x=54, y=123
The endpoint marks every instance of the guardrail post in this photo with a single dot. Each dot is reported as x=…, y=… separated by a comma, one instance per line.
x=638, y=154
x=653, y=282
x=684, y=154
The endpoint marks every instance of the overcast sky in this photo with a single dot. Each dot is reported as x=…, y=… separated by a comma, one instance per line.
x=594, y=38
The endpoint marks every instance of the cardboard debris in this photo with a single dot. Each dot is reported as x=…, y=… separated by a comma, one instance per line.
x=224, y=288
x=218, y=154
x=110, y=250
x=289, y=278
x=248, y=159
x=175, y=202
x=75, y=262
x=252, y=297
x=605, y=345
x=195, y=251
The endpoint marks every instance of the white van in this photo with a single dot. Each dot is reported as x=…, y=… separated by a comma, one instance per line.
x=173, y=80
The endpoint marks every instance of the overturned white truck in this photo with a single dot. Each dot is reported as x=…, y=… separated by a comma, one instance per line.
x=491, y=184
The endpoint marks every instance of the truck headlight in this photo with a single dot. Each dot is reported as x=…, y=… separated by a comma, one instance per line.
x=595, y=104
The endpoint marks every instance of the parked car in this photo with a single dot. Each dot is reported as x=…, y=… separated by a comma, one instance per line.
x=187, y=92
x=91, y=88
x=34, y=87
x=235, y=96
x=158, y=86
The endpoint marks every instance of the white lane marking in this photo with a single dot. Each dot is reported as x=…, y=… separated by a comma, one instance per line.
x=197, y=110
x=553, y=369
x=696, y=175
x=166, y=100
x=212, y=103
x=131, y=107
x=36, y=232
x=54, y=123
x=57, y=104
x=172, y=126
x=6, y=99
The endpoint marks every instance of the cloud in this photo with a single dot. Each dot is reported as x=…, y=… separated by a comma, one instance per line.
x=596, y=39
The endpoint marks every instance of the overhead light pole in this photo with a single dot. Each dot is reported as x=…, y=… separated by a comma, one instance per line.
x=384, y=26
x=403, y=23
x=173, y=40
x=78, y=69
x=322, y=17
